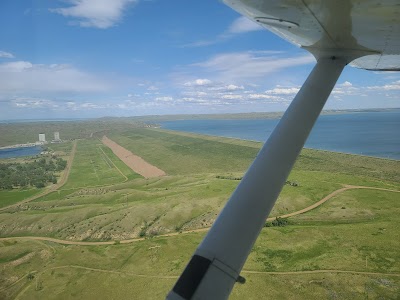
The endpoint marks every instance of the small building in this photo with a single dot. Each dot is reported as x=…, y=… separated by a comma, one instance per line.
x=42, y=137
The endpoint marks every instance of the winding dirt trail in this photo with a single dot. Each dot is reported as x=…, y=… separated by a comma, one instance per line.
x=54, y=187
x=320, y=271
x=128, y=241
x=177, y=276
x=333, y=194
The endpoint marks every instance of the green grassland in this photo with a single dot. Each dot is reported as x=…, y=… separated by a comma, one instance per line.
x=103, y=200
x=96, y=165
x=11, y=197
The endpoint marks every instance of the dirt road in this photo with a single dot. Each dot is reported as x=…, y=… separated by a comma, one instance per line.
x=53, y=187
x=319, y=271
x=174, y=277
x=136, y=163
x=333, y=194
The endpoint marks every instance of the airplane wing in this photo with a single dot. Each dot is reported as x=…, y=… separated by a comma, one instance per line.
x=366, y=29
x=364, y=34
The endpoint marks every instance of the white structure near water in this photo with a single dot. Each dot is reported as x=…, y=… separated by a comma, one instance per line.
x=42, y=137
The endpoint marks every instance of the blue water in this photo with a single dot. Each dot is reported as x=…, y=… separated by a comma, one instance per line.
x=367, y=133
x=18, y=152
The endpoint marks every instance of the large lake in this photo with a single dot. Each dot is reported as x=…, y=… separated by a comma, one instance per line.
x=21, y=151
x=367, y=133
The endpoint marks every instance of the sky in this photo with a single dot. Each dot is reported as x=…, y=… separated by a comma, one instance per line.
x=95, y=58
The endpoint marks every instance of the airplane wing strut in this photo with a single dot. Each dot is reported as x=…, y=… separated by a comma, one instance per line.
x=217, y=262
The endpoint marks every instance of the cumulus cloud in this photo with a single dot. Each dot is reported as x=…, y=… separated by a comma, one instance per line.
x=198, y=82
x=95, y=13
x=164, y=99
x=283, y=90
x=232, y=87
x=387, y=87
x=33, y=103
x=346, y=83
x=225, y=87
x=263, y=96
x=90, y=105
x=346, y=89
x=4, y=54
x=232, y=96
x=194, y=93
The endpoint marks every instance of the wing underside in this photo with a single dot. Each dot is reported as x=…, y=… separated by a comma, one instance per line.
x=368, y=31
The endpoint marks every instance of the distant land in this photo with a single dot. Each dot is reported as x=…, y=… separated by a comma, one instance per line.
x=225, y=116
x=14, y=132
x=253, y=115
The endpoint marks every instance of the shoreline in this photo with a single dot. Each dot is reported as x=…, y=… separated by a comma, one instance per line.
x=27, y=145
x=262, y=143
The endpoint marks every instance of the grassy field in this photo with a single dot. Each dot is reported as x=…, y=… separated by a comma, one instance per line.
x=103, y=200
x=11, y=197
x=96, y=165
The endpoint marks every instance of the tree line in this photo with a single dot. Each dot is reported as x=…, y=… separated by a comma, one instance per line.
x=37, y=173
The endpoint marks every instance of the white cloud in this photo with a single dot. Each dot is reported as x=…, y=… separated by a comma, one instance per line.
x=16, y=66
x=232, y=96
x=262, y=96
x=232, y=87
x=4, y=54
x=283, y=91
x=164, y=99
x=231, y=67
x=224, y=87
x=22, y=77
x=49, y=104
x=194, y=93
x=34, y=103
x=346, y=89
x=198, y=82
x=387, y=87
x=90, y=105
x=346, y=83
x=242, y=25
x=95, y=13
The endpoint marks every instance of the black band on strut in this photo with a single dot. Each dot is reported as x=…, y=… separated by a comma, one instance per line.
x=191, y=277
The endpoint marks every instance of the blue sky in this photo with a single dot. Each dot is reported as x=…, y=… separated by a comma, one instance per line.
x=93, y=58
